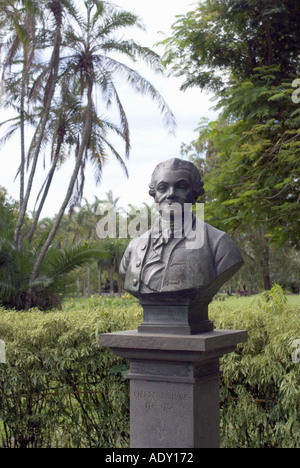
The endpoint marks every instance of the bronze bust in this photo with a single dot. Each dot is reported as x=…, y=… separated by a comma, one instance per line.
x=180, y=260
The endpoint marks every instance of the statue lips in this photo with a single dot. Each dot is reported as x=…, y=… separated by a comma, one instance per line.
x=172, y=199
x=175, y=204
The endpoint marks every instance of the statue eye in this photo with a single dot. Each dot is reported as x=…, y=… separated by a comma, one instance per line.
x=162, y=187
x=182, y=186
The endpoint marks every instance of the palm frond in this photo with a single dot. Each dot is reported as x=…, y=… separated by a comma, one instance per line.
x=8, y=135
x=115, y=22
x=62, y=262
x=143, y=87
x=117, y=156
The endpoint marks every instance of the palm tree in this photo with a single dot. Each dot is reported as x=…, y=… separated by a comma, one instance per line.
x=49, y=79
x=91, y=69
x=87, y=219
x=114, y=250
x=16, y=266
x=18, y=25
x=60, y=129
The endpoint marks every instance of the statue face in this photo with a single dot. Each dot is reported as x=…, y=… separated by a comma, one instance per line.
x=173, y=186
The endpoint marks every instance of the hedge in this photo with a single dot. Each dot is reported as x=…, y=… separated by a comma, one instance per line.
x=59, y=389
x=260, y=389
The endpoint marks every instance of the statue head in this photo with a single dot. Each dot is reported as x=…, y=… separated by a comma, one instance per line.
x=176, y=180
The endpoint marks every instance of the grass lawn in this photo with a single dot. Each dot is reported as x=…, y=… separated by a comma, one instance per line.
x=235, y=302
x=232, y=302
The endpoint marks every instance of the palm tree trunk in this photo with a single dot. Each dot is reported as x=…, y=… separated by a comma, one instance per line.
x=39, y=134
x=119, y=283
x=22, y=135
x=111, y=279
x=46, y=190
x=99, y=279
x=266, y=269
x=79, y=158
x=89, y=280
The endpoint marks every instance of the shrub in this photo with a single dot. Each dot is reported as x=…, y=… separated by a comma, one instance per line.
x=51, y=285
x=260, y=391
x=59, y=389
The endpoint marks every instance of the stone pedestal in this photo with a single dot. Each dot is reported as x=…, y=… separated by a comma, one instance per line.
x=174, y=385
x=179, y=316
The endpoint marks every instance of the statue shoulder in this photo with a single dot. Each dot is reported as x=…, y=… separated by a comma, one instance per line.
x=133, y=246
x=225, y=251
x=214, y=234
x=136, y=241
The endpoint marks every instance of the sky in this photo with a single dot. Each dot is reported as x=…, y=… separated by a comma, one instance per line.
x=151, y=142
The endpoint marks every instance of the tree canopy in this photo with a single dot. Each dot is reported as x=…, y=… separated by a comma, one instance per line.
x=247, y=53
x=222, y=39
x=61, y=68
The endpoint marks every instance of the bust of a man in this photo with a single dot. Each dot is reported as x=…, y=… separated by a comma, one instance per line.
x=180, y=258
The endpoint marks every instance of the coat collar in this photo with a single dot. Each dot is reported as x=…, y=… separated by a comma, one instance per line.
x=181, y=229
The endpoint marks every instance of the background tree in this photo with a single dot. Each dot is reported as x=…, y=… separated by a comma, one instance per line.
x=221, y=41
x=246, y=53
x=80, y=59
x=50, y=76
x=18, y=25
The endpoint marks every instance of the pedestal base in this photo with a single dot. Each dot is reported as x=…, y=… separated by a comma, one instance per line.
x=179, y=317
x=174, y=386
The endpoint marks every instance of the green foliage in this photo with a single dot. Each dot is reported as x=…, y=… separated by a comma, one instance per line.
x=8, y=214
x=52, y=281
x=255, y=178
x=16, y=266
x=246, y=53
x=226, y=38
x=59, y=389
x=260, y=396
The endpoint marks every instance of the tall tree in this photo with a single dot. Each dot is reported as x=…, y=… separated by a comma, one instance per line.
x=90, y=69
x=57, y=8
x=221, y=40
x=18, y=24
x=247, y=53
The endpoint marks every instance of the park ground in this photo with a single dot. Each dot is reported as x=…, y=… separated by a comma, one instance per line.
x=229, y=302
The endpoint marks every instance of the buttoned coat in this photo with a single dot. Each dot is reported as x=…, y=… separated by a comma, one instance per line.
x=200, y=264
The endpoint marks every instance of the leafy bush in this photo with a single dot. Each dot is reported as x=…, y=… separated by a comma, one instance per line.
x=260, y=391
x=58, y=389
x=52, y=282
x=16, y=265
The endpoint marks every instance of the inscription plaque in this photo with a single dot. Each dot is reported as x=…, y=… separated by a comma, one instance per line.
x=157, y=412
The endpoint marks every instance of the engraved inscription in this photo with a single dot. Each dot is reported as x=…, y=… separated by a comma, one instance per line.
x=159, y=400
x=159, y=411
x=160, y=429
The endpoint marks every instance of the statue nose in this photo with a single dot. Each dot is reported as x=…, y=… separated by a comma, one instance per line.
x=171, y=193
